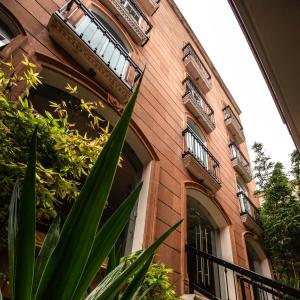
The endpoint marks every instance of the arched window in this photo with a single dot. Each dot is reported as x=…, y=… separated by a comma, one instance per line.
x=8, y=29
x=105, y=47
x=196, y=147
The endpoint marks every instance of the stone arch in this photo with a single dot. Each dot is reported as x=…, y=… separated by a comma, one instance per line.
x=104, y=12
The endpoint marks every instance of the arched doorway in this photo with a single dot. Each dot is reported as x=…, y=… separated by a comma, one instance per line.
x=207, y=231
x=136, y=163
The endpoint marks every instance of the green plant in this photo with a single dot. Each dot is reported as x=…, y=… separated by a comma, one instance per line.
x=156, y=284
x=280, y=214
x=64, y=155
x=263, y=167
x=70, y=257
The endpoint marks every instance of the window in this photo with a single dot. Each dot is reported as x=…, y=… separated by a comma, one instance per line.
x=104, y=45
x=197, y=147
x=201, y=235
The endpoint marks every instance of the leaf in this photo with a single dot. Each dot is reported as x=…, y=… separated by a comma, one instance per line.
x=12, y=234
x=112, y=260
x=48, y=246
x=22, y=232
x=114, y=286
x=78, y=233
x=109, y=233
x=137, y=281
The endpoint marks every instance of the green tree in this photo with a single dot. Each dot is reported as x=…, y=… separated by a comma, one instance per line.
x=280, y=216
x=295, y=172
x=262, y=167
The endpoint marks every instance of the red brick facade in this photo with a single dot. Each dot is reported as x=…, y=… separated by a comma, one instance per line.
x=159, y=118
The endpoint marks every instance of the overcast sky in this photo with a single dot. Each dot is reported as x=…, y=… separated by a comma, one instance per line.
x=219, y=33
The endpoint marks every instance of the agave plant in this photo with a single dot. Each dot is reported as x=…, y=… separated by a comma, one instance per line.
x=71, y=257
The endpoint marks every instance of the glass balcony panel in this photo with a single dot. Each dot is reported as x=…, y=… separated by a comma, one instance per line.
x=95, y=47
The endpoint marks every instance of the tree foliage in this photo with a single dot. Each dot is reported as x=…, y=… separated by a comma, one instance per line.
x=280, y=215
x=64, y=155
x=262, y=167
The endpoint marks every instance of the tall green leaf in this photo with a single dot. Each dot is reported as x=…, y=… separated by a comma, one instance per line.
x=137, y=281
x=105, y=240
x=22, y=232
x=113, y=287
x=48, y=247
x=12, y=235
x=78, y=233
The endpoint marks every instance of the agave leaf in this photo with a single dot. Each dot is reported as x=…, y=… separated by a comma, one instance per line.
x=110, y=277
x=140, y=297
x=78, y=233
x=112, y=260
x=113, y=287
x=1, y=298
x=105, y=241
x=137, y=281
x=12, y=234
x=21, y=231
x=48, y=246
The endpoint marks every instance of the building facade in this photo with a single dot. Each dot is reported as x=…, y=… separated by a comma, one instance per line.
x=186, y=141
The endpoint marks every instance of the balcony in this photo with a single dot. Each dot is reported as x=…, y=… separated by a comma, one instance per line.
x=132, y=18
x=240, y=163
x=149, y=6
x=196, y=69
x=233, y=125
x=198, y=106
x=249, y=213
x=200, y=162
x=82, y=35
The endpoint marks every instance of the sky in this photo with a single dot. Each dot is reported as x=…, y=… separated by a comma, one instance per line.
x=218, y=31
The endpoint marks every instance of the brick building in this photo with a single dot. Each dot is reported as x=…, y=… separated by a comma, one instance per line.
x=186, y=141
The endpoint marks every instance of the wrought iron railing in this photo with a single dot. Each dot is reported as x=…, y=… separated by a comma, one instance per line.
x=199, y=99
x=228, y=113
x=189, y=51
x=195, y=147
x=247, y=207
x=134, y=10
x=234, y=282
x=99, y=39
x=237, y=154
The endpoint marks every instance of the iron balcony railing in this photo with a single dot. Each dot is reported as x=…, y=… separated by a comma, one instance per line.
x=99, y=39
x=137, y=14
x=237, y=154
x=228, y=113
x=195, y=147
x=234, y=282
x=189, y=51
x=247, y=207
x=199, y=99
